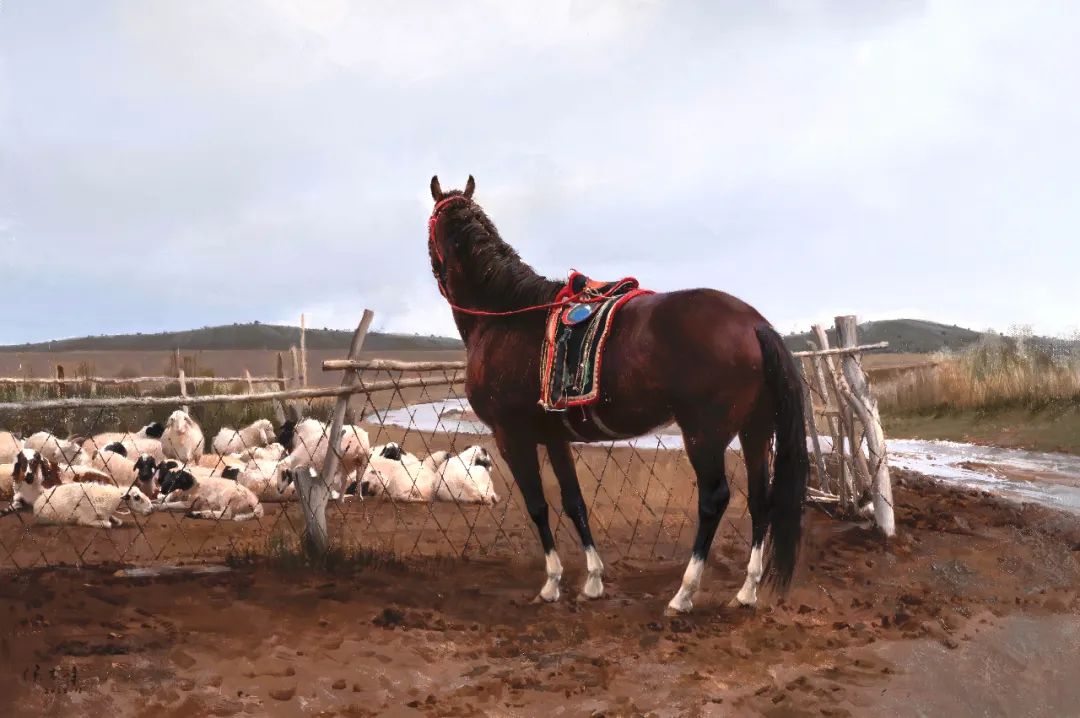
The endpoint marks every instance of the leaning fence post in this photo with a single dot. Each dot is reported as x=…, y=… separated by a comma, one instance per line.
x=863, y=402
x=279, y=407
x=315, y=490
x=183, y=388
x=303, y=352
x=811, y=426
x=61, y=388
x=835, y=411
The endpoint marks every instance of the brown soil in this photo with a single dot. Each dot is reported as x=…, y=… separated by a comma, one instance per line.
x=972, y=610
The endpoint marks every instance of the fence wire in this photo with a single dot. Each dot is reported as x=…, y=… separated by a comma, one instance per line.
x=641, y=495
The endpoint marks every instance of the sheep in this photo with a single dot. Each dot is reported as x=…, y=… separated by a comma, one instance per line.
x=260, y=477
x=309, y=446
x=153, y=430
x=183, y=439
x=140, y=447
x=10, y=445
x=465, y=478
x=231, y=441
x=398, y=475
x=213, y=461
x=141, y=472
x=89, y=504
x=208, y=497
x=270, y=452
x=56, y=450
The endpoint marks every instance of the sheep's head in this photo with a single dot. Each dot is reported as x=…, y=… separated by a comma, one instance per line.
x=179, y=421
x=137, y=501
x=391, y=451
x=154, y=430
x=174, y=479
x=266, y=430
x=145, y=472
x=286, y=434
x=439, y=458
x=288, y=476
x=116, y=447
x=477, y=456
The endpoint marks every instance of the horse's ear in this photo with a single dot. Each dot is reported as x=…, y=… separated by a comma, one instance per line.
x=470, y=187
x=436, y=188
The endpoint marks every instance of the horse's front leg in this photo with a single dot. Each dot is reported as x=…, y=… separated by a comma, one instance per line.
x=520, y=454
x=562, y=461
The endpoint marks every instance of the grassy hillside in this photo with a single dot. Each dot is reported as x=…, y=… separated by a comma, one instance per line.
x=240, y=336
x=904, y=335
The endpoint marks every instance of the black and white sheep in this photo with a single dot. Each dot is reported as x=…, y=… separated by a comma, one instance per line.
x=397, y=475
x=208, y=497
x=464, y=478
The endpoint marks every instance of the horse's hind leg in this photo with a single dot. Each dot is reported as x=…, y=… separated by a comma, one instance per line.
x=706, y=450
x=755, y=445
x=574, y=506
x=520, y=454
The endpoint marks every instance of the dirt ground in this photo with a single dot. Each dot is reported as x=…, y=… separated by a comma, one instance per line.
x=973, y=610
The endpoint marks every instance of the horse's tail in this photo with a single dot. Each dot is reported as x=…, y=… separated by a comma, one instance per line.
x=792, y=464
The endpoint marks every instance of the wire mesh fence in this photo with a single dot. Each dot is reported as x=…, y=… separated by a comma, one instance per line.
x=417, y=475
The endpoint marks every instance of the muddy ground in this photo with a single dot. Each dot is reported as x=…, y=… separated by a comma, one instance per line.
x=973, y=610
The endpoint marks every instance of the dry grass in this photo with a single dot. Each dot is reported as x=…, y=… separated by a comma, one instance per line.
x=998, y=373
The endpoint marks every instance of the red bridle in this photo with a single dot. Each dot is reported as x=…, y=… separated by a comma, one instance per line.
x=561, y=299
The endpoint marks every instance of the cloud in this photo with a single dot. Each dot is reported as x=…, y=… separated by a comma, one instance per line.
x=169, y=165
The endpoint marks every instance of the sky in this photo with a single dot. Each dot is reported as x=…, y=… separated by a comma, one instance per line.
x=168, y=165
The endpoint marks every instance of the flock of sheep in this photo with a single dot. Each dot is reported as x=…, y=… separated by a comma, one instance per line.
x=164, y=468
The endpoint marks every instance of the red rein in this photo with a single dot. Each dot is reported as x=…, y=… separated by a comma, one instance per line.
x=561, y=299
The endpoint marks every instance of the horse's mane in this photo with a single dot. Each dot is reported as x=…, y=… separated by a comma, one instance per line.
x=499, y=280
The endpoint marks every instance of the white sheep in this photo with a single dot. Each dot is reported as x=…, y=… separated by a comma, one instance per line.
x=208, y=497
x=183, y=439
x=465, y=478
x=88, y=504
x=10, y=445
x=270, y=452
x=231, y=441
x=397, y=475
x=61, y=452
x=153, y=430
x=309, y=447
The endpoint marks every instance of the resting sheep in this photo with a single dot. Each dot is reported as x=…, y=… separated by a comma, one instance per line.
x=397, y=475
x=183, y=439
x=261, y=478
x=465, y=478
x=271, y=452
x=141, y=472
x=232, y=441
x=208, y=497
x=88, y=504
x=10, y=445
x=308, y=450
x=56, y=450
x=153, y=430
x=30, y=475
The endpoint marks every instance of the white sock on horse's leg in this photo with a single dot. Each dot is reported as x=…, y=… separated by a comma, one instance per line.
x=594, y=584
x=747, y=595
x=691, y=580
x=553, y=569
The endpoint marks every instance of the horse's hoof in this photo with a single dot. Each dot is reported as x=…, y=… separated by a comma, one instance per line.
x=671, y=611
x=542, y=599
x=593, y=589
x=736, y=603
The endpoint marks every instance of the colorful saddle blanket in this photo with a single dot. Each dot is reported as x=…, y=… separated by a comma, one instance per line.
x=574, y=340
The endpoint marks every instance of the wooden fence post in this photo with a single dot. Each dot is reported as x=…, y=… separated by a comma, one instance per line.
x=182, y=378
x=295, y=366
x=834, y=410
x=314, y=491
x=61, y=388
x=811, y=425
x=862, y=401
x=279, y=407
x=303, y=352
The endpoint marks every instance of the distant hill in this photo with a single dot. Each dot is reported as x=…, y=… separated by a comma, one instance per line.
x=904, y=335
x=241, y=336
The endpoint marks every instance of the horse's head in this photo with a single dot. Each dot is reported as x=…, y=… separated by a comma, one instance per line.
x=444, y=231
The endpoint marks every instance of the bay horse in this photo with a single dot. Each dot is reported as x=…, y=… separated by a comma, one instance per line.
x=700, y=357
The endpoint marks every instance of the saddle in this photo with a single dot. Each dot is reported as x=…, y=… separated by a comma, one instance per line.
x=574, y=340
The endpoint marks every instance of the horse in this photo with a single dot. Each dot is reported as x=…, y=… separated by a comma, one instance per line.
x=700, y=357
